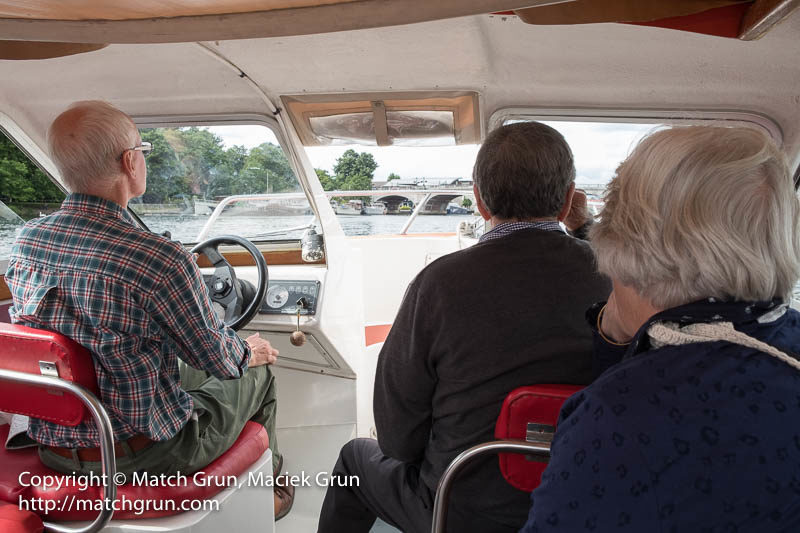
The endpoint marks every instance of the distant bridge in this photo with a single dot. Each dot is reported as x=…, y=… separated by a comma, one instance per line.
x=436, y=204
x=439, y=199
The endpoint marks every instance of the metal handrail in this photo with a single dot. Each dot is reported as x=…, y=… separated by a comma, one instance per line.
x=416, y=213
x=467, y=456
x=103, y=423
x=429, y=192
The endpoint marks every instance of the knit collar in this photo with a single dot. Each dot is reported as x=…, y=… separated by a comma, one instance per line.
x=710, y=310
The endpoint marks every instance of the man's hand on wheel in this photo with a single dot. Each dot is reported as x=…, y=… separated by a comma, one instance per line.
x=261, y=351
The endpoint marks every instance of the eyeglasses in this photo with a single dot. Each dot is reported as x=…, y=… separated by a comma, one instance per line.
x=146, y=148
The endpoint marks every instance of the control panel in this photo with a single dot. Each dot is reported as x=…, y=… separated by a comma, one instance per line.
x=284, y=297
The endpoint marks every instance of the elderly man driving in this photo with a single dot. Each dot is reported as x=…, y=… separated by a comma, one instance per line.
x=178, y=385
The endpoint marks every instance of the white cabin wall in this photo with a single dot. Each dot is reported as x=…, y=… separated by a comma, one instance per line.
x=508, y=62
x=633, y=67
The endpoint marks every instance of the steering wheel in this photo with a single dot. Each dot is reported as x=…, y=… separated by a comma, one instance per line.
x=239, y=298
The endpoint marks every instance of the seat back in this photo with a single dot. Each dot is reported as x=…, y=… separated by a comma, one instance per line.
x=16, y=520
x=530, y=414
x=42, y=352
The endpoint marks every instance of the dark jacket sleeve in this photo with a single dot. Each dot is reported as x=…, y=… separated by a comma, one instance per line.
x=405, y=380
x=582, y=233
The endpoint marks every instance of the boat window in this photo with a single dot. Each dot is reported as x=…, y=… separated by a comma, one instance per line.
x=232, y=178
x=26, y=192
x=598, y=149
x=386, y=183
x=401, y=177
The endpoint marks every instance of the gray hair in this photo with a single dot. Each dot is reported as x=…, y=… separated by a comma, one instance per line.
x=699, y=212
x=524, y=171
x=86, y=142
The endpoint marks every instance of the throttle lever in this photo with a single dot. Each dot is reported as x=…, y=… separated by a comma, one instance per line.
x=298, y=338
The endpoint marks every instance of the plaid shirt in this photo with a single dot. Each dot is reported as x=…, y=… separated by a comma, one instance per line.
x=507, y=228
x=135, y=300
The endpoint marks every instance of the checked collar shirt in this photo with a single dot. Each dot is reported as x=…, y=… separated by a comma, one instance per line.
x=507, y=228
x=135, y=300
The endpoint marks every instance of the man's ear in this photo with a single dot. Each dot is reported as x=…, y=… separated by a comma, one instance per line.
x=567, y=203
x=126, y=164
x=480, y=205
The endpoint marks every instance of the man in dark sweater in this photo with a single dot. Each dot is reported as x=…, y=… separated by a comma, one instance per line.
x=473, y=326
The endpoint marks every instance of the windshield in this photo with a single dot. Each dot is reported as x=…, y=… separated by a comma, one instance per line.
x=192, y=170
x=25, y=193
x=399, y=178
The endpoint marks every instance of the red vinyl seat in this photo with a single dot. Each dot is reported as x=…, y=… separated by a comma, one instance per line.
x=16, y=520
x=524, y=430
x=25, y=350
x=251, y=444
x=529, y=414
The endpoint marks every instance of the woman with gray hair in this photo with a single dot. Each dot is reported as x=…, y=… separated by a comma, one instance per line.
x=695, y=423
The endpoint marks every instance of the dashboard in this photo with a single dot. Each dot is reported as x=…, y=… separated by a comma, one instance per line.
x=285, y=296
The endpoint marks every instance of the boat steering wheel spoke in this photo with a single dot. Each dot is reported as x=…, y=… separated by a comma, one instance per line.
x=223, y=285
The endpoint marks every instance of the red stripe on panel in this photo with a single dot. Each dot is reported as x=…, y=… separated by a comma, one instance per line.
x=376, y=334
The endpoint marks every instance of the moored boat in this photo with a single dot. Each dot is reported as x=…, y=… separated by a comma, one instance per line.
x=455, y=209
x=375, y=208
x=406, y=208
x=352, y=207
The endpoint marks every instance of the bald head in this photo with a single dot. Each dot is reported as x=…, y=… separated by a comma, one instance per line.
x=86, y=142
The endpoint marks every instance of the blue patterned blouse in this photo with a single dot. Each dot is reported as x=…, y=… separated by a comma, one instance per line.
x=699, y=438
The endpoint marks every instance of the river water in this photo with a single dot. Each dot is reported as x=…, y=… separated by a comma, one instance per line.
x=185, y=228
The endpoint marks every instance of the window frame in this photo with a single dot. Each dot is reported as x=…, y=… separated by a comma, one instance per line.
x=232, y=119
x=35, y=155
x=641, y=116
x=644, y=116
x=32, y=151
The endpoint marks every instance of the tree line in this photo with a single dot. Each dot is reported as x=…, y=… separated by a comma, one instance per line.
x=21, y=181
x=193, y=162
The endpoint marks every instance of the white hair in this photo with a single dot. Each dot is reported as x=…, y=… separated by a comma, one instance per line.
x=699, y=212
x=86, y=142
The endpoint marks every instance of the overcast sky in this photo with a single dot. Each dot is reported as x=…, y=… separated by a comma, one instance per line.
x=598, y=149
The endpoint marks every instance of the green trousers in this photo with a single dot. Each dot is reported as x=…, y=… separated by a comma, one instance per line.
x=221, y=409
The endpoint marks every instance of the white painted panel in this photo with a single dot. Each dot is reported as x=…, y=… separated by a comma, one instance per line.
x=308, y=399
x=390, y=263
x=313, y=451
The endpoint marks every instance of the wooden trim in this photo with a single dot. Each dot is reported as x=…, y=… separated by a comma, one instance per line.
x=463, y=105
x=273, y=257
x=379, y=123
x=276, y=257
x=721, y=21
x=763, y=15
x=20, y=50
x=5, y=293
x=352, y=15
